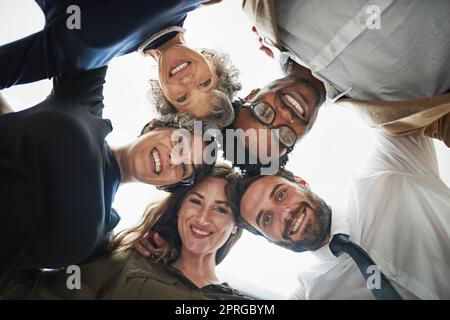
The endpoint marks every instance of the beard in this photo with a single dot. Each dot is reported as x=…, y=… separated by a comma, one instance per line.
x=315, y=231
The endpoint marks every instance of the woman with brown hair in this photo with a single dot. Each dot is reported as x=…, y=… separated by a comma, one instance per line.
x=200, y=226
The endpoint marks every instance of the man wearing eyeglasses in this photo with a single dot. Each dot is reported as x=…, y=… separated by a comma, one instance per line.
x=286, y=109
x=356, y=61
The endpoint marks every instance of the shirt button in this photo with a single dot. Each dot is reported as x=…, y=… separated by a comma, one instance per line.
x=394, y=274
x=333, y=49
x=362, y=20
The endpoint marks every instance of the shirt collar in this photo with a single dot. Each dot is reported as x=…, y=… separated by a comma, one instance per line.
x=339, y=224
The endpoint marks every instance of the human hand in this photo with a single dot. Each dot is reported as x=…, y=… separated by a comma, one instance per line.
x=149, y=243
x=207, y=3
x=261, y=44
x=4, y=106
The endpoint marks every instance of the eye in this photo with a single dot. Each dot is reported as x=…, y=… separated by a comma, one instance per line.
x=183, y=98
x=196, y=201
x=267, y=219
x=222, y=210
x=264, y=112
x=205, y=84
x=280, y=196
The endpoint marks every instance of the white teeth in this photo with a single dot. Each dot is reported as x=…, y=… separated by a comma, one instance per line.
x=297, y=223
x=156, y=160
x=294, y=103
x=200, y=232
x=179, y=68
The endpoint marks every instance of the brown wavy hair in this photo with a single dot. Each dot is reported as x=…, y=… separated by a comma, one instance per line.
x=162, y=217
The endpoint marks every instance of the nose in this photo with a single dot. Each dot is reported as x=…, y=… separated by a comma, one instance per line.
x=285, y=114
x=283, y=213
x=187, y=79
x=203, y=217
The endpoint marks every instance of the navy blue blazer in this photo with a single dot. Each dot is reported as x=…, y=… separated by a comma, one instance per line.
x=108, y=28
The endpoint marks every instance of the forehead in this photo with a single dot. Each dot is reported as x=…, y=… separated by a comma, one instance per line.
x=257, y=195
x=211, y=187
x=274, y=86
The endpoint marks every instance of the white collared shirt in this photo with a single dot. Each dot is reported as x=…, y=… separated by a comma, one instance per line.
x=399, y=212
x=407, y=57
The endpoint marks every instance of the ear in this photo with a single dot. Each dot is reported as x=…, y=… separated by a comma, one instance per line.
x=252, y=94
x=234, y=229
x=302, y=182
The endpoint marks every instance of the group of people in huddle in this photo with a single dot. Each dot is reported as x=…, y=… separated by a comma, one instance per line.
x=59, y=176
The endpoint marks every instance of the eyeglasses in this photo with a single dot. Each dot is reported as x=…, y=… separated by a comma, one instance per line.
x=265, y=113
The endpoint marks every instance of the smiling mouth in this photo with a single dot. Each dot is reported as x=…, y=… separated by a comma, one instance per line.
x=296, y=105
x=174, y=70
x=297, y=223
x=200, y=233
x=156, y=160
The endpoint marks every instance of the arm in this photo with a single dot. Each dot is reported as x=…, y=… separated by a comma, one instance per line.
x=4, y=106
x=85, y=87
x=26, y=60
x=427, y=116
x=376, y=112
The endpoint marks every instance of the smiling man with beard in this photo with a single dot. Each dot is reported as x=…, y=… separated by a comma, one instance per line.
x=289, y=214
x=397, y=213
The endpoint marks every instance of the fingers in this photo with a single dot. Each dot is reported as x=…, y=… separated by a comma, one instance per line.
x=261, y=44
x=267, y=51
x=148, y=245
x=141, y=249
x=158, y=240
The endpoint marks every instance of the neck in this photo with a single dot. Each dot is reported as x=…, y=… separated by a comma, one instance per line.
x=201, y=270
x=326, y=240
x=156, y=53
x=121, y=155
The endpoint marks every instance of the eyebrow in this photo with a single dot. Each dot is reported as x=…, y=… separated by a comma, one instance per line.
x=275, y=189
x=222, y=202
x=203, y=197
x=197, y=194
x=261, y=212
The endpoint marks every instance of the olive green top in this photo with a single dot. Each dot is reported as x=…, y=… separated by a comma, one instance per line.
x=125, y=275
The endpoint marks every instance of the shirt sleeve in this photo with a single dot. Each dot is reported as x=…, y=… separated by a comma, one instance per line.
x=26, y=60
x=411, y=154
x=85, y=87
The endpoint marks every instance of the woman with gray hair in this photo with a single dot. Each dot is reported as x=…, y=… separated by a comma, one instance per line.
x=82, y=35
x=194, y=85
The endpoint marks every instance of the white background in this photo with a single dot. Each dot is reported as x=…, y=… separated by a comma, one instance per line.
x=326, y=158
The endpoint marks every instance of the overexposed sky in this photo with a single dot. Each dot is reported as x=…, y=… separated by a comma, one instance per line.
x=336, y=147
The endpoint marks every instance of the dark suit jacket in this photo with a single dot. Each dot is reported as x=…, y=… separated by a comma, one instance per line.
x=58, y=178
x=108, y=28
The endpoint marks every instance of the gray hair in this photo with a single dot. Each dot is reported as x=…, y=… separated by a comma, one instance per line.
x=222, y=113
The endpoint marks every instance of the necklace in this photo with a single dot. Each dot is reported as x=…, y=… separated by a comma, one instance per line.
x=158, y=35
